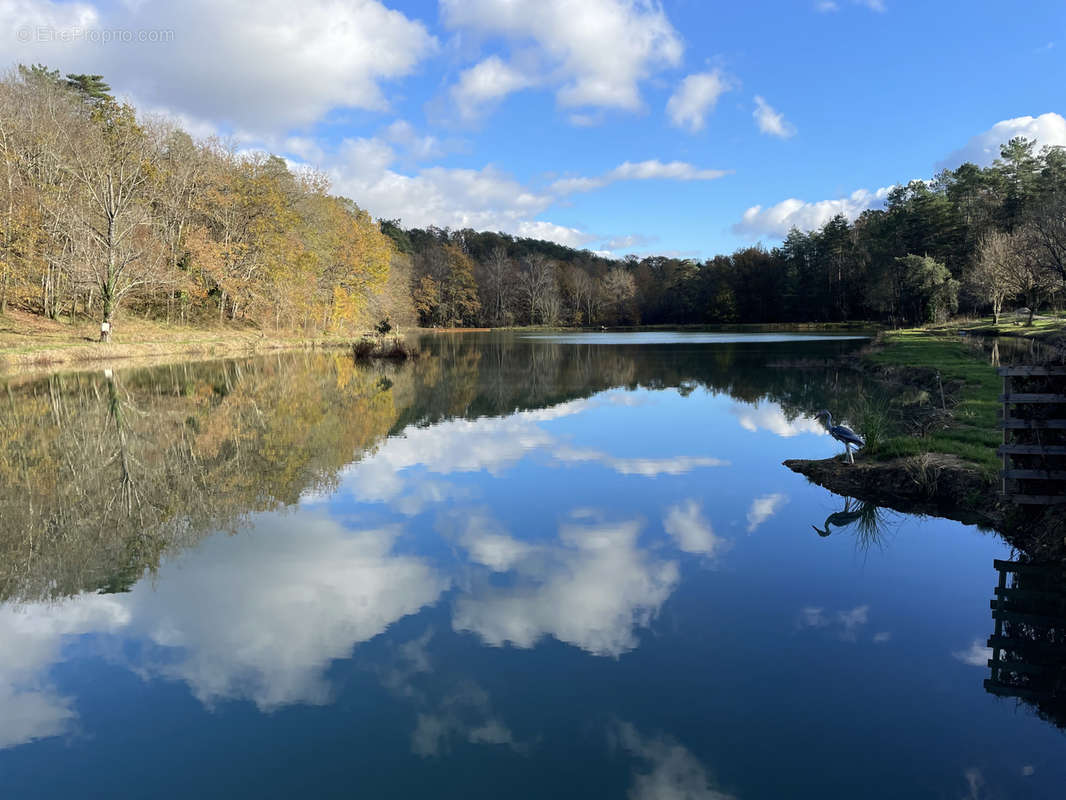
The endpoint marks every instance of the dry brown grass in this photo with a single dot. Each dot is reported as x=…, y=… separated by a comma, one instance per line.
x=30, y=343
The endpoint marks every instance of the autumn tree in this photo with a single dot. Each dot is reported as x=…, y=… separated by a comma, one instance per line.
x=497, y=284
x=618, y=289
x=111, y=162
x=991, y=277
x=445, y=291
x=536, y=281
x=1027, y=271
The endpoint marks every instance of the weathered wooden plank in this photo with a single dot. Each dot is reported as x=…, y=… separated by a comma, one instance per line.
x=1014, y=424
x=1018, y=566
x=1038, y=620
x=1017, y=666
x=1032, y=398
x=1006, y=690
x=1026, y=370
x=1017, y=645
x=1045, y=598
x=1038, y=500
x=1032, y=450
x=1035, y=474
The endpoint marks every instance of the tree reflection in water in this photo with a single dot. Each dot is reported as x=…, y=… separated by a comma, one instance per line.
x=101, y=474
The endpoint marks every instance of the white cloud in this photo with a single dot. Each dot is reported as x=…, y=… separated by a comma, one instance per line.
x=812, y=617
x=762, y=508
x=237, y=608
x=646, y=467
x=31, y=640
x=652, y=169
x=484, y=199
x=983, y=149
x=403, y=134
x=592, y=588
x=305, y=148
x=262, y=65
x=595, y=52
x=695, y=96
x=771, y=417
x=846, y=624
x=771, y=121
x=851, y=621
x=627, y=242
x=492, y=444
x=487, y=543
x=571, y=237
x=486, y=83
x=691, y=531
x=230, y=619
x=465, y=713
x=825, y=6
x=657, y=170
x=672, y=771
x=976, y=655
x=778, y=219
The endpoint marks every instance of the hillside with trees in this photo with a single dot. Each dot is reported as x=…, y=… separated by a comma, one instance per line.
x=106, y=212
x=102, y=210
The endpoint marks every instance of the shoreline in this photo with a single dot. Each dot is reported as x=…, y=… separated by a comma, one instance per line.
x=97, y=355
x=31, y=346
x=931, y=479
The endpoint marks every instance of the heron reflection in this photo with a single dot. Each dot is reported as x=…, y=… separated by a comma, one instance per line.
x=867, y=521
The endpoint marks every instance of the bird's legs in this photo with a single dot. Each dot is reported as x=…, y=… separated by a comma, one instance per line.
x=847, y=449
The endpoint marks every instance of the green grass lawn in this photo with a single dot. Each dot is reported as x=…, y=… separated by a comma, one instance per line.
x=1045, y=326
x=972, y=434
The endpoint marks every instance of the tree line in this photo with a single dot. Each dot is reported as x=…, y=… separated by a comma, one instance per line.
x=102, y=209
x=971, y=239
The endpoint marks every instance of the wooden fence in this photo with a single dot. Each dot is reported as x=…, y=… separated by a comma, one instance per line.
x=1034, y=434
x=1028, y=645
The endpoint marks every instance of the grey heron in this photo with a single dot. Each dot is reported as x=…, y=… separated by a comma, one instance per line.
x=843, y=434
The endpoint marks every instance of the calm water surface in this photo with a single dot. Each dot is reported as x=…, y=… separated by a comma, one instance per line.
x=539, y=566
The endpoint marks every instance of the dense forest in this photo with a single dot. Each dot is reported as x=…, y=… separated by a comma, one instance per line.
x=103, y=210
x=972, y=240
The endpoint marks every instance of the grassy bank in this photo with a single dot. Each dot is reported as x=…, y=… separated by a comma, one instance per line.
x=960, y=422
x=947, y=464
x=1049, y=328
x=29, y=342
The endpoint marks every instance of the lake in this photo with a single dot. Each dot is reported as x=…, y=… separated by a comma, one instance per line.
x=522, y=566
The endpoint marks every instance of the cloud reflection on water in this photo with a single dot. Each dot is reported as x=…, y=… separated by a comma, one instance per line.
x=260, y=616
x=592, y=587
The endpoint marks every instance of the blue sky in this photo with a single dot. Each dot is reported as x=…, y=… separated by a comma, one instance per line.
x=680, y=127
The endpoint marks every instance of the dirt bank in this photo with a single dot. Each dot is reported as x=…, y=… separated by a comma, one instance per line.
x=942, y=486
x=938, y=485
